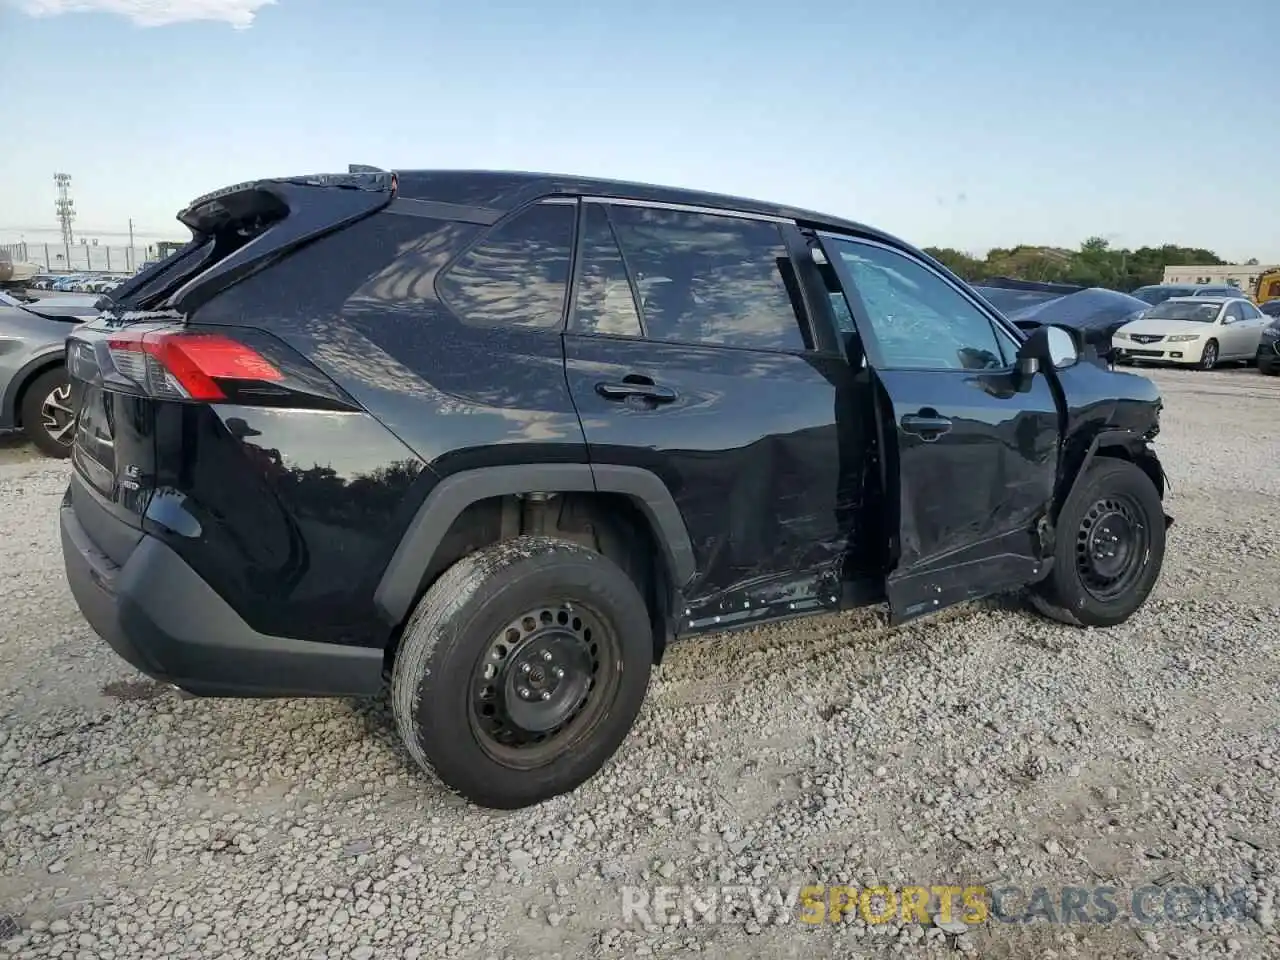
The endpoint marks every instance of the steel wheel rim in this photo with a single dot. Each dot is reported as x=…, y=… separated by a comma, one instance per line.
x=56, y=416
x=542, y=681
x=1113, y=543
x=1210, y=356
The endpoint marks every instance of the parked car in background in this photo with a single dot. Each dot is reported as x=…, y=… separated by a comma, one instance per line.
x=16, y=274
x=1160, y=292
x=496, y=439
x=34, y=394
x=1197, y=331
x=1218, y=290
x=1268, y=356
x=1096, y=313
x=67, y=282
x=1271, y=308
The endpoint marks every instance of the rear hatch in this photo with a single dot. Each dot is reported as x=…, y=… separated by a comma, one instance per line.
x=142, y=354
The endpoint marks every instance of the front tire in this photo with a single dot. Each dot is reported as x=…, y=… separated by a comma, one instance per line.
x=1209, y=356
x=1109, y=550
x=522, y=670
x=47, y=418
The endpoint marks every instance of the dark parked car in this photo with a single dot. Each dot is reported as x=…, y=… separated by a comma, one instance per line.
x=1269, y=345
x=1158, y=293
x=1271, y=308
x=498, y=439
x=1095, y=313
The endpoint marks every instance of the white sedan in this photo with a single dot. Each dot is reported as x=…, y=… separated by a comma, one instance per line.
x=1193, y=330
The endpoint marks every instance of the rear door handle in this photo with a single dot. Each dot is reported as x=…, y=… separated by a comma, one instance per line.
x=648, y=391
x=927, y=426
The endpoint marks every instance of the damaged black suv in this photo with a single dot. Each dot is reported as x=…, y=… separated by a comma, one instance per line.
x=497, y=439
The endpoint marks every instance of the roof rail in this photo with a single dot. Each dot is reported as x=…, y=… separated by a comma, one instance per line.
x=363, y=168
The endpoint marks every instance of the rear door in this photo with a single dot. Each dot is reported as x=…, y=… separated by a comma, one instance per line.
x=689, y=354
x=975, y=460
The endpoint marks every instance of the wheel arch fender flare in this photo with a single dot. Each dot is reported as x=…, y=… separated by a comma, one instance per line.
x=10, y=406
x=401, y=581
x=1123, y=444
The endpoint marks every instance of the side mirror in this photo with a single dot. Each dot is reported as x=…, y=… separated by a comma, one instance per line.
x=1047, y=347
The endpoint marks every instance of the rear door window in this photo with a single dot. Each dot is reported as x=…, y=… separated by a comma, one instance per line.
x=518, y=275
x=708, y=278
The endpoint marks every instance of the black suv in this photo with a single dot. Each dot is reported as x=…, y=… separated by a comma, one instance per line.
x=497, y=439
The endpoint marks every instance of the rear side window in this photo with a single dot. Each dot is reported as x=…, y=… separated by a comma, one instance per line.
x=705, y=278
x=518, y=275
x=605, y=302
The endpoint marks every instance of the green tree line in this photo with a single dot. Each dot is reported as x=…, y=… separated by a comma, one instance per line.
x=1095, y=264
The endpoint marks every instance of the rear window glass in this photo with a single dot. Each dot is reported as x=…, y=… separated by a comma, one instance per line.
x=518, y=275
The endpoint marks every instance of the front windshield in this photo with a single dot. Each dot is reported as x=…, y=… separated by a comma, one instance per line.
x=8, y=301
x=1182, y=310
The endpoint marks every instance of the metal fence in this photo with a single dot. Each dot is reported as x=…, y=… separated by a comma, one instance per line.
x=78, y=257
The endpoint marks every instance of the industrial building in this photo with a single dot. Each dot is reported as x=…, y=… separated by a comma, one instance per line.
x=1242, y=275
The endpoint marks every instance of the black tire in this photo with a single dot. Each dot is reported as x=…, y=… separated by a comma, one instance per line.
x=1209, y=358
x=1111, y=490
x=1268, y=369
x=52, y=437
x=504, y=594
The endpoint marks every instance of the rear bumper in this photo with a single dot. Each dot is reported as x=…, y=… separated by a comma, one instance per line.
x=161, y=617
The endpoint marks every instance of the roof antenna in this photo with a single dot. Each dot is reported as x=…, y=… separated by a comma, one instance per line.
x=363, y=168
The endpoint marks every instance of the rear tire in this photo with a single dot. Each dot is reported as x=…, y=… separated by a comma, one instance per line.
x=522, y=670
x=47, y=418
x=1109, y=550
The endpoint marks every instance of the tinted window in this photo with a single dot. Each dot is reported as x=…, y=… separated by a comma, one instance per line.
x=704, y=278
x=1248, y=311
x=605, y=303
x=919, y=320
x=518, y=274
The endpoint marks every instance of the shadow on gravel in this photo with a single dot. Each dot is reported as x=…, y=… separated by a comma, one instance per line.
x=135, y=689
x=374, y=714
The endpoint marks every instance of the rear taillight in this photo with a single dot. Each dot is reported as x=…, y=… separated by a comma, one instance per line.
x=188, y=366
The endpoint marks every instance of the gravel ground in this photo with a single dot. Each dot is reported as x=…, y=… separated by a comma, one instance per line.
x=986, y=747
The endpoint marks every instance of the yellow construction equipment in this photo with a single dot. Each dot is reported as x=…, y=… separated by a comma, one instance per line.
x=1268, y=287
